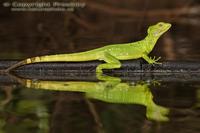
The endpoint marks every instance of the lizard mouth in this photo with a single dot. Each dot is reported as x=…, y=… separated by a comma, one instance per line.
x=166, y=28
x=168, y=25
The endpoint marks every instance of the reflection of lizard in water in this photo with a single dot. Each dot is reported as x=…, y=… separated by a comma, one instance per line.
x=108, y=91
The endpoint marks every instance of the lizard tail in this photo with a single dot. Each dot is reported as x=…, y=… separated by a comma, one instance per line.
x=15, y=66
x=24, y=62
x=54, y=58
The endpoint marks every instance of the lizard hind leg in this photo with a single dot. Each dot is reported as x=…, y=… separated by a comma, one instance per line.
x=111, y=62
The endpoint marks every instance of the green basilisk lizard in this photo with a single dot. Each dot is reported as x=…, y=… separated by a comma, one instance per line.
x=111, y=54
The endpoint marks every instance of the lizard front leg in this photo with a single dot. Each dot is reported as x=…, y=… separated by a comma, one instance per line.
x=151, y=60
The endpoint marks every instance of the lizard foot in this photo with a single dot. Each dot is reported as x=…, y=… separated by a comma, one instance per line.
x=155, y=61
x=104, y=77
x=99, y=71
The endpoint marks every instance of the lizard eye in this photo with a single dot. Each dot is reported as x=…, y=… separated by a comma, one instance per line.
x=160, y=25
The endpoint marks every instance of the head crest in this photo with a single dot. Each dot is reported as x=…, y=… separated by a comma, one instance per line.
x=158, y=29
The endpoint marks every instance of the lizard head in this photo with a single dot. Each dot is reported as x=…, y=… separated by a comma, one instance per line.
x=158, y=29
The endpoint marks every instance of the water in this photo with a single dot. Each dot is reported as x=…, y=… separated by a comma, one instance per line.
x=32, y=105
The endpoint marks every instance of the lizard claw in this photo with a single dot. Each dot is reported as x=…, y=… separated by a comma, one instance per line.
x=156, y=82
x=154, y=60
x=157, y=58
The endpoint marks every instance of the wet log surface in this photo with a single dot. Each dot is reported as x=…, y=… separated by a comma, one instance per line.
x=132, y=70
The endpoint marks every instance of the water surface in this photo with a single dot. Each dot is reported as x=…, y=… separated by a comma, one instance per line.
x=36, y=105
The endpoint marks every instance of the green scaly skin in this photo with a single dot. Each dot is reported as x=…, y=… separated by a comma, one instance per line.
x=110, y=54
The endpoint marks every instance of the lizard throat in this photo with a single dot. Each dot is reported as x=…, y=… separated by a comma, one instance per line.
x=150, y=42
